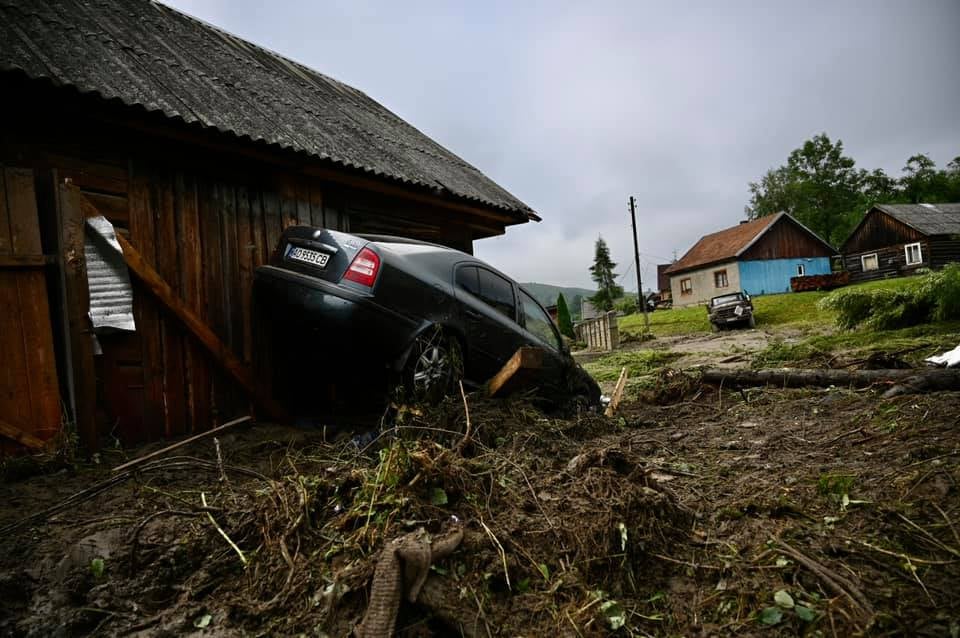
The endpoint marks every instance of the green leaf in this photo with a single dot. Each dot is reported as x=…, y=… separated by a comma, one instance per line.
x=770, y=616
x=438, y=496
x=523, y=586
x=202, y=621
x=783, y=599
x=545, y=571
x=805, y=613
x=97, y=567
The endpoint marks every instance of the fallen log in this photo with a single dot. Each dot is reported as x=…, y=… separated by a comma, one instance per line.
x=902, y=381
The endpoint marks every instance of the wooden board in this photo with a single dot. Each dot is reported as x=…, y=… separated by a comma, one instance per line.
x=74, y=268
x=517, y=373
x=29, y=388
x=617, y=395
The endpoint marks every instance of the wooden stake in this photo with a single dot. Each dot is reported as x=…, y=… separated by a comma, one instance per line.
x=617, y=395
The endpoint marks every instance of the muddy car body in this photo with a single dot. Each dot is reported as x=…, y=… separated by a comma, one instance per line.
x=731, y=310
x=364, y=313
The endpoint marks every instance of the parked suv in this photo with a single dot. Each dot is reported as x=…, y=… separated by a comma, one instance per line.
x=351, y=315
x=733, y=309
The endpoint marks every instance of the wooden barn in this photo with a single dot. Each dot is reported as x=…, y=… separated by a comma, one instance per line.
x=199, y=148
x=893, y=240
x=758, y=257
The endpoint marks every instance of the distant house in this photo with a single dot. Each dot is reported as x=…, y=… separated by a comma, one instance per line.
x=894, y=240
x=663, y=282
x=758, y=257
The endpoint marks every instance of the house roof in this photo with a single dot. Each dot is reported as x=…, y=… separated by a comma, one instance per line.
x=929, y=219
x=724, y=245
x=150, y=56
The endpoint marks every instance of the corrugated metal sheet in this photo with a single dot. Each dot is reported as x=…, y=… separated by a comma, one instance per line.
x=111, y=295
x=929, y=219
x=148, y=55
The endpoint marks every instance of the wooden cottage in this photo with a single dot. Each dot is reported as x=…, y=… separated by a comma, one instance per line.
x=199, y=148
x=893, y=240
x=758, y=257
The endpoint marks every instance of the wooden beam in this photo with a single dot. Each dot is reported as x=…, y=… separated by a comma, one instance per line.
x=220, y=352
x=179, y=444
x=73, y=265
x=23, y=438
x=516, y=373
x=617, y=395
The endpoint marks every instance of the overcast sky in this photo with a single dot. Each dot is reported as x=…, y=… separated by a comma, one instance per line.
x=572, y=107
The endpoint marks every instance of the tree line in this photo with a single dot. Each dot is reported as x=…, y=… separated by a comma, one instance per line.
x=823, y=188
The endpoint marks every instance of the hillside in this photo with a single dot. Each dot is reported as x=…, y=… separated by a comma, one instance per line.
x=547, y=293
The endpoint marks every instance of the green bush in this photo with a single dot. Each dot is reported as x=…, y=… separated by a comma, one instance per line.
x=933, y=296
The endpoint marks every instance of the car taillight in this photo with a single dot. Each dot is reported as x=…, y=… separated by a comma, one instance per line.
x=364, y=267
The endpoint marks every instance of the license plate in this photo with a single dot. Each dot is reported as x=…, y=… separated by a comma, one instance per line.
x=307, y=256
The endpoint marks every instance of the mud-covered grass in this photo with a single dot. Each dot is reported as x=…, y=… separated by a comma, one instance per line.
x=637, y=363
x=911, y=345
x=763, y=512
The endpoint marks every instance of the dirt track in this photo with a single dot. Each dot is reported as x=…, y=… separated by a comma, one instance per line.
x=682, y=519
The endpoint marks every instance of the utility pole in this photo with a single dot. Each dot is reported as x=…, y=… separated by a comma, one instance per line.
x=636, y=255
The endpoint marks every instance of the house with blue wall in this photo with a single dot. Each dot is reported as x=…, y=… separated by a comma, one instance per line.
x=758, y=257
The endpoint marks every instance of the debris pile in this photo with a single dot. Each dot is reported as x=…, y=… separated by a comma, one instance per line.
x=728, y=511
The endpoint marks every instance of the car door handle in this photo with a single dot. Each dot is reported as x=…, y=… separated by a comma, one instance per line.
x=473, y=314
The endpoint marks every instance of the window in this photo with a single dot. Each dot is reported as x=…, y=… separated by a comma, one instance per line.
x=801, y=270
x=914, y=254
x=468, y=280
x=497, y=292
x=686, y=286
x=538, y=322
x=869, y=262
x=720, y=279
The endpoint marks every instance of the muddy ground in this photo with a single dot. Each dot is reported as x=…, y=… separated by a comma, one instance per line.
x=764, y=512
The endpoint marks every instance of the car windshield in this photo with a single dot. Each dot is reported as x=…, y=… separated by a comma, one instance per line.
x=719, y=301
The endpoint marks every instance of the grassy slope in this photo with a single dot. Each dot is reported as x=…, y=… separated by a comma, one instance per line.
x=797, y=310
x=792, y=310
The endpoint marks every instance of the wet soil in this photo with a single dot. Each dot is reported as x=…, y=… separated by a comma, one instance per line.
x=680, y=519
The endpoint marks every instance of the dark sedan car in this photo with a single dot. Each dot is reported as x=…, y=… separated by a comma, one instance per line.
x=352, y=315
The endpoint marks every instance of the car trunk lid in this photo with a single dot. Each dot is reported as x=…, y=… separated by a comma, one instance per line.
x=318, y=252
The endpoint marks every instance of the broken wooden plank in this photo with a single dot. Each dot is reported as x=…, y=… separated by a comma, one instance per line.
x=218, y=349
x=23, y=438
x=516, y=373
x=617, y=395
x=179, y=444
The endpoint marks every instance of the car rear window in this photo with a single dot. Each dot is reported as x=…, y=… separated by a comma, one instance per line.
x=497, y=292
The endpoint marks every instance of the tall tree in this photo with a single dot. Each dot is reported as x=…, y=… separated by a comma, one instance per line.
x=602, y=273
x=818, y=185
x=564, y=322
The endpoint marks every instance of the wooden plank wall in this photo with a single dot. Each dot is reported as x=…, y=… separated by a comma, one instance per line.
x=205, y=234
x=29, y=390
x=892, y=262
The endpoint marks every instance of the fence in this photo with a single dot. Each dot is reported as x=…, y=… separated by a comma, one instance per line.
x=600, y=333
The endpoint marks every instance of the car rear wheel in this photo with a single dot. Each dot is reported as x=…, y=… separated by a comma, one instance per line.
x=434, y=367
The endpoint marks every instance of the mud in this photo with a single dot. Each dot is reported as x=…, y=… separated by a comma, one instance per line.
x=680, y=519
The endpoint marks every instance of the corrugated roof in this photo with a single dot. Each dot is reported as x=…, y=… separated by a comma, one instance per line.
x=929, y=219
x=723, y=245
x=148, y=55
